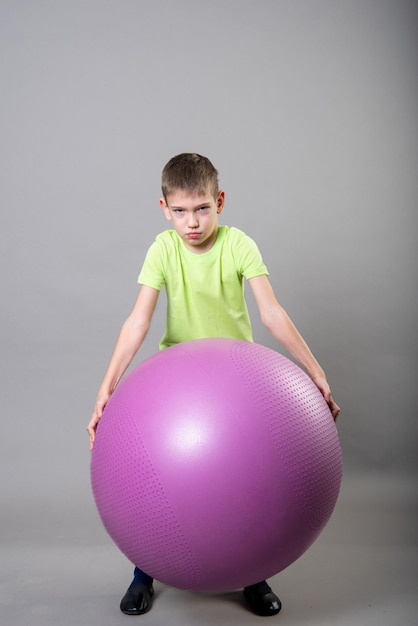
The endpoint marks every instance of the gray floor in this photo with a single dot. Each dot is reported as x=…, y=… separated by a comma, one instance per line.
x=59, y=567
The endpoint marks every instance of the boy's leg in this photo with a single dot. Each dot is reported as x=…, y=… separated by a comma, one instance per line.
x=262, y=600
x=138, y=598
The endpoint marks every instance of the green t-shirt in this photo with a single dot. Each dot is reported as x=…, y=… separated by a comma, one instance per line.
x=205, y=292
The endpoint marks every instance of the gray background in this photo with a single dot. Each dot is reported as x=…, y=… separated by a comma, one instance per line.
x=309, y=111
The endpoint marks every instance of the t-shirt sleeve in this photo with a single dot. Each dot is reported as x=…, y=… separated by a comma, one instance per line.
x=250, y=261
x=152, y=272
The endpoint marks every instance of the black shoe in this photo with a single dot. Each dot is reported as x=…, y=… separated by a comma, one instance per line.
x=262, y=600
x=137, y=600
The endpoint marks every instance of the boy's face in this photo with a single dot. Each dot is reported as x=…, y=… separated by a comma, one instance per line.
x=194, y=217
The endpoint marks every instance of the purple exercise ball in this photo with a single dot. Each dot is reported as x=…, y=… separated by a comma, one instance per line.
x=216, y=464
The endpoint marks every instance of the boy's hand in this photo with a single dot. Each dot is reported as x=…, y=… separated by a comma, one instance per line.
x=95, y=418
x=324, y=388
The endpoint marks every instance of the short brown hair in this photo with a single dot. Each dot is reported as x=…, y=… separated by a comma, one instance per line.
x=191, y=172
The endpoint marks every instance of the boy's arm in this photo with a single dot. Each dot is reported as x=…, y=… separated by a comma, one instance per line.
x=277, y=321
x=131, y=336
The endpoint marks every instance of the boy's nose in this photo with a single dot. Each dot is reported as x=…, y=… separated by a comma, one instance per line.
x=193, y=222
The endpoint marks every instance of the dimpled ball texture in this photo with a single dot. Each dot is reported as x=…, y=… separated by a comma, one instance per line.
x=216, y=464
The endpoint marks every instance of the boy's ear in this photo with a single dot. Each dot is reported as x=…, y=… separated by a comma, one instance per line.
x=165, y=209
x=220, y=202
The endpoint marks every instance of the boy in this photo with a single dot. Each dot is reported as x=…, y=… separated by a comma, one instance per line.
x=202, y=266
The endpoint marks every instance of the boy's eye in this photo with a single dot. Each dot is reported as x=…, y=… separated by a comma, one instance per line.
x=203, y=208
x=178, y=211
